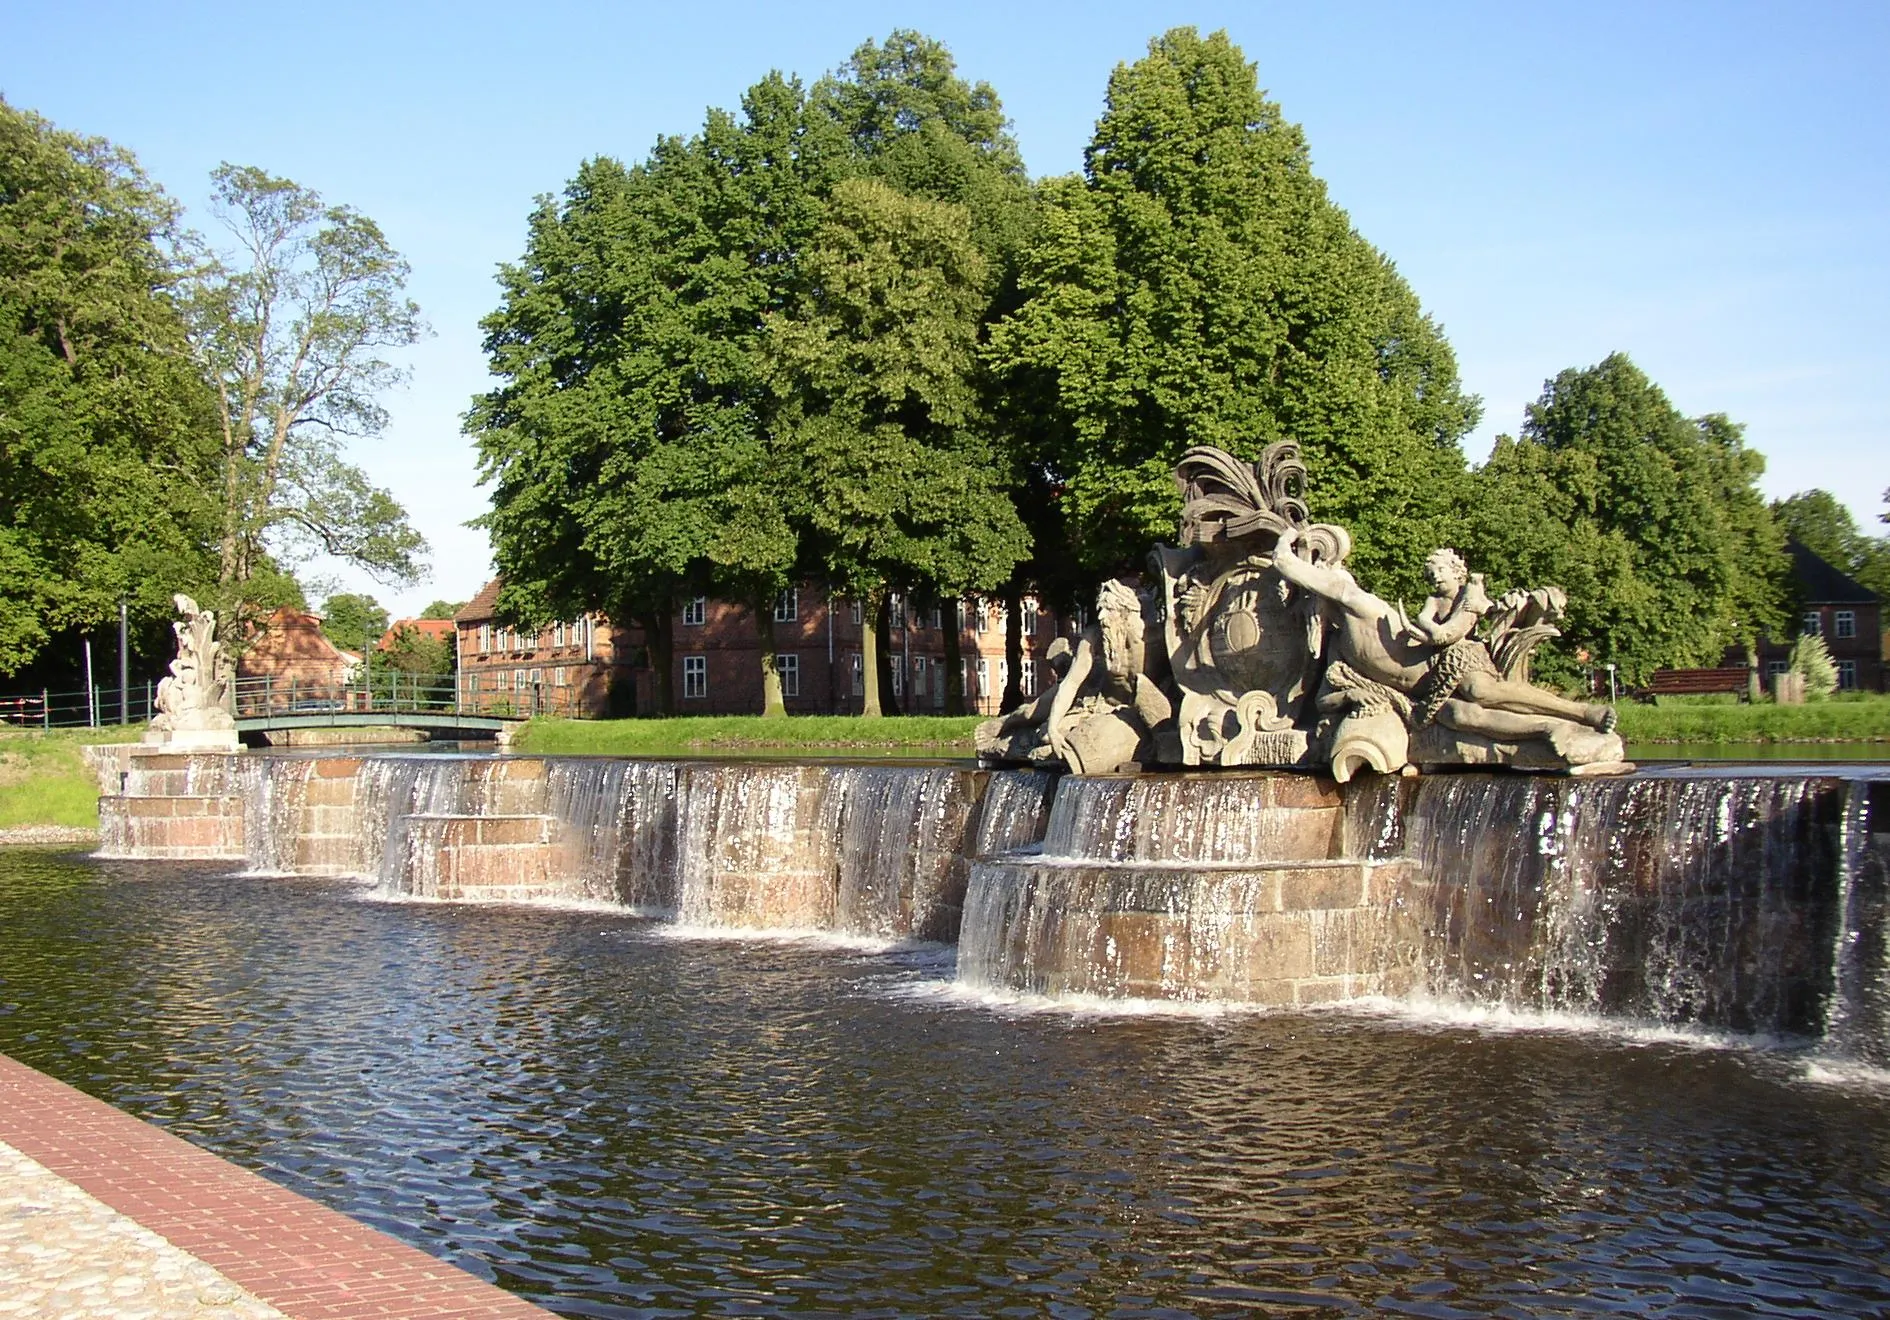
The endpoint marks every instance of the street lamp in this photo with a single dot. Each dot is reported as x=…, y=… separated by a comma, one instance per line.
x=1611, y=693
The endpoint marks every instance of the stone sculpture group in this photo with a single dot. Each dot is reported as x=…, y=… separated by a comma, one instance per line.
x=1253, y=645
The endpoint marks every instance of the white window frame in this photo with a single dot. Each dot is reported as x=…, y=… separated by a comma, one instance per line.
x=485, y=639
x=1029, y=617
x=557, y=633
x=858, y=671
x=1812, y=625
x=787, y=605
x=859, y=613
x=1773, y=668
x=896, y=612
x=1844, y=623
x=984, y=677
x=918, y=675
x=1029, y=684
x=788, y=666
x=695, y=677
x=695, y=612
x=1847, y=675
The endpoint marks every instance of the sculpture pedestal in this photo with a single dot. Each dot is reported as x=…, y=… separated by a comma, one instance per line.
x=193, y=740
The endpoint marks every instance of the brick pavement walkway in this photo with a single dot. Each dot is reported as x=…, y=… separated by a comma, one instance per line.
x=160, y=1228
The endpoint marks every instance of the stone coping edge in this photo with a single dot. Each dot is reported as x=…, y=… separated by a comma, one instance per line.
x=306, y=1260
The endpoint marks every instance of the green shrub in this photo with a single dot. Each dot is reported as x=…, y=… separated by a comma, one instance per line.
x=1812, y=658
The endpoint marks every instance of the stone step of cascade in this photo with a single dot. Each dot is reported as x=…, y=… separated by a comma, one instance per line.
x=181, y=827
x=506, y=787
x=1287, y=934
x=496, y=857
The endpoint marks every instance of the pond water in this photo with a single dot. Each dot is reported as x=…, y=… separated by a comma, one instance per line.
x=616, y=1118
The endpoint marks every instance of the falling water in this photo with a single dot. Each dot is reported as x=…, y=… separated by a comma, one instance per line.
x=1706, y=899
x=1857, y=1017
x=273, y=791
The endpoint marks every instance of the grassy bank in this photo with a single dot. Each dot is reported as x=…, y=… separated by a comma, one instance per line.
x=44, y=781
x=1854, y=720
x=920, y=735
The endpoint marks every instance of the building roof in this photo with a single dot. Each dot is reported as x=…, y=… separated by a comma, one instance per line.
x=1821, y=584
x=439, y=629
x=483, y=606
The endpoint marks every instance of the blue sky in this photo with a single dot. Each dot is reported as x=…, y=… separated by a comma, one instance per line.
x=1705, y=187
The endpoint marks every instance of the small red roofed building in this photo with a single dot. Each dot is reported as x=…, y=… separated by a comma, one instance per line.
x=288, y=663
x=439, y=630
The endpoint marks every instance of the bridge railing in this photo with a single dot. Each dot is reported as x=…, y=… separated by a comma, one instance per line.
x=392, y=692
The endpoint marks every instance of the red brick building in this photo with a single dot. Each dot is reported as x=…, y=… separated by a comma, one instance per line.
x=1848, y=616
x=580, y=667
x=590, y=668
x=288, y=662
x=817, y=640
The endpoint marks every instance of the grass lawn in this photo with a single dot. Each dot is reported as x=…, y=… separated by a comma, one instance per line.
x=926, y=735
x=44, y=781
x=1853, y=718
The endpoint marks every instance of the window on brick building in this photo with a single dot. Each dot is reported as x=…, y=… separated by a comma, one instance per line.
x=896, y=613
x=485, y=638
x=695, y=612
x=695, y=677
x=859, y=613
x=984, y=677
x=557, y=633
x=858, y=671
x=789, y=667
x=918, y=675
x=1844, y=623
x=787, y=605
x=1813, y=624
x=1029, y=683
x=1847, y=675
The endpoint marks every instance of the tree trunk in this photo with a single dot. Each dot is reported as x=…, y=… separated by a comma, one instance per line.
x=659, y=643
x=772, y=702
x=870, y=604
x=1013, y=651
x=954, y=657
x=889, y=702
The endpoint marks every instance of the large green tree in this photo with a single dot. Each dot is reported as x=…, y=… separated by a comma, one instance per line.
x=1197, y=286
x=1822, y=523
x=1651, y=521
x=104, y=421
x=901, y=479
x=291, y=325
x=644, y=439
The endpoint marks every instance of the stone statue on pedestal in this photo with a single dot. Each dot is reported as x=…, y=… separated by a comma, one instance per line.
x=1253, y=644
x=192, y=702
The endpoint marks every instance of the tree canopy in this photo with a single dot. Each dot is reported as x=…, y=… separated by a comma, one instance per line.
x=353, y=621
x=1197, y=286
x=670, y=346
x=1652, y=522
x=289, y=326
x=104, y=421
x=1821, y=522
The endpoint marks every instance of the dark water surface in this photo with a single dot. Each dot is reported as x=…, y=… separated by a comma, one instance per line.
x=615, y=1121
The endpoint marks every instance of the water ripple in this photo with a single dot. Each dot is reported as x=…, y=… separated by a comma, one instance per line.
x=617, y=1122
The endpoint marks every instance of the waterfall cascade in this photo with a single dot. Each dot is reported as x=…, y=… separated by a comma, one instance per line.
x=1743, y=901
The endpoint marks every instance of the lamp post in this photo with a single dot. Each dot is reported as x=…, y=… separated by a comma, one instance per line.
x=1611, y=693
